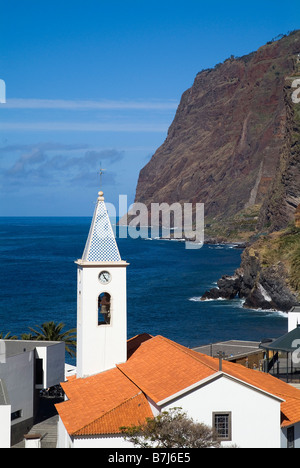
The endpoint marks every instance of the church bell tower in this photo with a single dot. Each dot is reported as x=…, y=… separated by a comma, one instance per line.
x=101, y=299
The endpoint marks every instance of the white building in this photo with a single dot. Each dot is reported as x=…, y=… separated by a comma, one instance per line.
x=121, y=383
x=294, y=318
x=26, y=367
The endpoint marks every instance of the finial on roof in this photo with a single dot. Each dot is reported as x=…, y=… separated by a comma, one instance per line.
x=100, y=196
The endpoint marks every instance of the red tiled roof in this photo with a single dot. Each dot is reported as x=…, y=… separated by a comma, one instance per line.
x=133, y=411
x=159, y=368
x=93, y=398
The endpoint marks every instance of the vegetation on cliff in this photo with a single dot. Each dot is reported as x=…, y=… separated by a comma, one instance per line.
x=282, y=247
x=268, y=277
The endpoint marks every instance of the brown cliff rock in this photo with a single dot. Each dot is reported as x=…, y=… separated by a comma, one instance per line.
x=297, y=217
x=229, y=144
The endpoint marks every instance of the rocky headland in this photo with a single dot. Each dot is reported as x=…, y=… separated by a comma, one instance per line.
x=268, y=277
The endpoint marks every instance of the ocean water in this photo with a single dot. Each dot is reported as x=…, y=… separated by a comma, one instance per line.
x=164, y=284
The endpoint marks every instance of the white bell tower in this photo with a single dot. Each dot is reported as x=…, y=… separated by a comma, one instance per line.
x=101, y=299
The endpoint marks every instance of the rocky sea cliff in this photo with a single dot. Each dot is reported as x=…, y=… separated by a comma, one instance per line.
x=268, y=277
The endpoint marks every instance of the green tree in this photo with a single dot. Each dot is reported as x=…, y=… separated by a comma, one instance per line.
x=27, y=336
x=50, y=331
x=171, y=429
x=8, y=336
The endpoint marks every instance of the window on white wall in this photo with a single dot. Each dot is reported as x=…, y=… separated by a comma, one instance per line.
x=222, y=425
x=104, y=312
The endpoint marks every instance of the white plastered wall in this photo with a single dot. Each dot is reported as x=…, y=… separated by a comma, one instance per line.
x=101, y=347
x=255, y=416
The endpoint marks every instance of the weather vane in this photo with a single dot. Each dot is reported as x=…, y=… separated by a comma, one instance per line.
x=101, y=173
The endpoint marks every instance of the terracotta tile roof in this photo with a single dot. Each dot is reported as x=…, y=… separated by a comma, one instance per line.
x=92, y=398
x=183, y=367
x=133, y=411
x=159, y=368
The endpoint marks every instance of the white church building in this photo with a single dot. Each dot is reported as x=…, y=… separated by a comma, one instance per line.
x=121, y=382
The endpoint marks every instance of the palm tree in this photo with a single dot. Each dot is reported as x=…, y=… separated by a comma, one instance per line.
x=50, y=331
x=8, y=336
x=27, y=336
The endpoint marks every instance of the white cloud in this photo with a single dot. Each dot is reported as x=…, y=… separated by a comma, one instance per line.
x=55, y=163
x=89, y=104
x=83, y=127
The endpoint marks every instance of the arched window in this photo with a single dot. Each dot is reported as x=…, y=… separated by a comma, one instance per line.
x=104, y=309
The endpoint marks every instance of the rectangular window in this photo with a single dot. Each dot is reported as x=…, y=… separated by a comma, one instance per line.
x=222, y=425
x=16, y=415
x=39, y=371
x=290, y=437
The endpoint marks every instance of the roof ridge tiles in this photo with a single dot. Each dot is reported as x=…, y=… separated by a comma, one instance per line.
x=194, y=354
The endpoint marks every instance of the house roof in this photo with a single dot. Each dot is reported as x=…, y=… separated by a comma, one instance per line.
x=181, y=368
x=157, y=368
x=132, y=411
x=284, y=343
x=97, y=404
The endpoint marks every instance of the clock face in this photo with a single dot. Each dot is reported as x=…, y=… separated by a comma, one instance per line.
x=104, y=277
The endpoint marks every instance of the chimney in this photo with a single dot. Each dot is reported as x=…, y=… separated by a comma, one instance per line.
x=221, y=356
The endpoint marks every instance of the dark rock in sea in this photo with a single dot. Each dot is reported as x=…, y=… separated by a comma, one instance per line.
x=213, y=293
x=228, y=288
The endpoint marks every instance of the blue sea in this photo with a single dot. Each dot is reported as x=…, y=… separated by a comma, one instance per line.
x=164, y=284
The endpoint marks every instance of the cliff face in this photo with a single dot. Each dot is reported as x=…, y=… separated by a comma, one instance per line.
x=234, y=145
x=231, y=145
x=282, y=202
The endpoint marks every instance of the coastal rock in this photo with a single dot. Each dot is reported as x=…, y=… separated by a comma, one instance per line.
x=228, y=288
x=212, y=294
x=263, y=284
x=259, y=299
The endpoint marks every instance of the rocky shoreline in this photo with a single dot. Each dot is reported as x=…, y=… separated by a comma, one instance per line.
x=261, y=286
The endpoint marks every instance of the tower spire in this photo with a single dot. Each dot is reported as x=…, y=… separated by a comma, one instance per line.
x=101, y=243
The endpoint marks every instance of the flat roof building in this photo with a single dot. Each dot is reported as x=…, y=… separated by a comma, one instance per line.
x=26, y=368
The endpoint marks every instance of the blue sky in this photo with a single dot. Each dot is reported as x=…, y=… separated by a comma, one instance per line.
x=99, y=82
